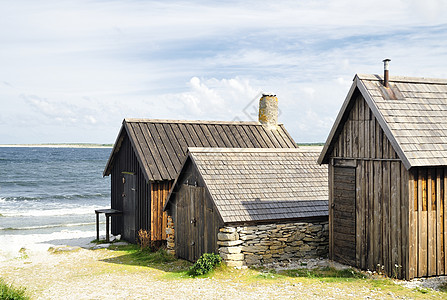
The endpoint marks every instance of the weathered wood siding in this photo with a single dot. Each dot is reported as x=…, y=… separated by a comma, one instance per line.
x=381, y=194
x=126, y=161
x=196, y=220
x=159, y=193
x=428, y=224
x=343, y=226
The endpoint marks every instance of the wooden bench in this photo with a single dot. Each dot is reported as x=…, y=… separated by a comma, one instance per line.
x=108, y=212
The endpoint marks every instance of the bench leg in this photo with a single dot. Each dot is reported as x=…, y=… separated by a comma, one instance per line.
x=107, y=228
x=97, y=226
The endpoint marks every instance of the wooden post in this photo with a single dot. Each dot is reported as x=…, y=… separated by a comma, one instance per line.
x=107, y=228
x=97, y=225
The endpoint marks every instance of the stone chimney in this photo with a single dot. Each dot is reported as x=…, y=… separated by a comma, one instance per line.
x=268, y=111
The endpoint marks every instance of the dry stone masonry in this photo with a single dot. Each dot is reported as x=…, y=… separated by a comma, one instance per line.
x=272, y=243
x=170, y=242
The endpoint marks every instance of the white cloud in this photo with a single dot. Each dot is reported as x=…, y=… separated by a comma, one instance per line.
x=88, y=64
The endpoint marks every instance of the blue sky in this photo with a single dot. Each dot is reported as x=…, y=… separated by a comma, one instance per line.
x=70, y=71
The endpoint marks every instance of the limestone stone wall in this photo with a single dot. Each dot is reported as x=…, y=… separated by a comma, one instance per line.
x=269, y=243
x=170, y=242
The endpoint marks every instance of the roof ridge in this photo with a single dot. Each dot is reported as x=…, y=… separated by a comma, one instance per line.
x=251, y=150
x=406, y=79
x=139, y=120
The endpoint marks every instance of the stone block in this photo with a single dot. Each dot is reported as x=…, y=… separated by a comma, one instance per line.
x=276, y=247
x=246, y=237
x=234, y=263
x=277, y=251
x=266, y=256
x=227, y=256
x=229, y=243
x=227, y=229
x=266, y=227
x=254, y=248
x=231, y=250
x=299, y=236
x=169, y=231
x=251, y=259
x=291, y=249
x=223, y=236
x=314, y=228
x=309, y=239
x=296, y=243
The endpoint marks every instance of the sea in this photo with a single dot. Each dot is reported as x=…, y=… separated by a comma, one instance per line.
x=48, y=195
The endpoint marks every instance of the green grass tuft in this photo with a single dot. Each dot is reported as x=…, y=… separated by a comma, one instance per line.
x=8, y=292
x=325, y=272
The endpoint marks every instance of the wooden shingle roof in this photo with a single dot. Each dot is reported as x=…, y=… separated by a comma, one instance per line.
x=264, y=184
x=412, y=113
x=161, y=145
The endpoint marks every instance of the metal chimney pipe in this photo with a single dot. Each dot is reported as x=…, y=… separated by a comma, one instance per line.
x=386, y=76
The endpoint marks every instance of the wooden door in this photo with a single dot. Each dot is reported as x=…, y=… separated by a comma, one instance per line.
x=129, y=209
x=343, y=209
x=190, y=224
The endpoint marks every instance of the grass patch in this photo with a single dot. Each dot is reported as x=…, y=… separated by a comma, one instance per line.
x=160, y=259
x=9, y=292
x=325, y=273
x=443, y=287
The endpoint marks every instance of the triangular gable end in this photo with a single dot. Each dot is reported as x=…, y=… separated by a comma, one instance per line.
x=124, y=131
x=189, y=160
x=358, y=86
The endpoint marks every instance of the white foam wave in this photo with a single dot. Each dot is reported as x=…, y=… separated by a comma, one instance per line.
x=86, y=210
x=50, y=226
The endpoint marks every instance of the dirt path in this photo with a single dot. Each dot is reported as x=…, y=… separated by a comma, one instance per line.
x=97, y=274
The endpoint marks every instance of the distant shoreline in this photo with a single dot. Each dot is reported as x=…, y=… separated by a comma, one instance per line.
x=56, y=145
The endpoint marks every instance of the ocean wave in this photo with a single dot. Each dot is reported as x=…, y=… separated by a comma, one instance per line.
x=90, y=210
x=48, y=226
x=54, y=197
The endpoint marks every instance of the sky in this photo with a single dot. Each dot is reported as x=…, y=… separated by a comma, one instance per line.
x=71, y=71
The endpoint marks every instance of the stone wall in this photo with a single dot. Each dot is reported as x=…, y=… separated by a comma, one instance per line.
x=273, y=243
x=170, y=242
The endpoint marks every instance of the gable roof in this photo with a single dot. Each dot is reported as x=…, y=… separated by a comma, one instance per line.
x=161, y=145
x=262, y=184
x=412, y=113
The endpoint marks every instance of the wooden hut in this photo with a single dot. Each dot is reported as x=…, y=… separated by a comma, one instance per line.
x=148, y=155
x=250, y=205
x=387, y=157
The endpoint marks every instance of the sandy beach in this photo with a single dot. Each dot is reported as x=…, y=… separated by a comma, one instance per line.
x=76, y=271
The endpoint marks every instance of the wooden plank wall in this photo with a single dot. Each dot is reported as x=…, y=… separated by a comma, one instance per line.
x=362, y=136
x=196, y=222
x=382, y=193
x=382, y=217
x=428, y=224
x=126, y=161
x=159, y=193
x=343, y=215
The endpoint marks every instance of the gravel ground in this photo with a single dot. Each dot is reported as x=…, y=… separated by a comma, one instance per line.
x=95, y=274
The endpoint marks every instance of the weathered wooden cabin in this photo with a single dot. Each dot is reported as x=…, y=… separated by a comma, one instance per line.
x=252, y=206
x=148, y=155
x=387, y=157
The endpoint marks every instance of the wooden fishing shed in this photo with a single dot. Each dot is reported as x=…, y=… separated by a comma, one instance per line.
x=220, y=187
x=387, y=157
x=148, y=155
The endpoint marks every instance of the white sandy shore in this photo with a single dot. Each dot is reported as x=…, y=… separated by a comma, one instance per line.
x=10, y=245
